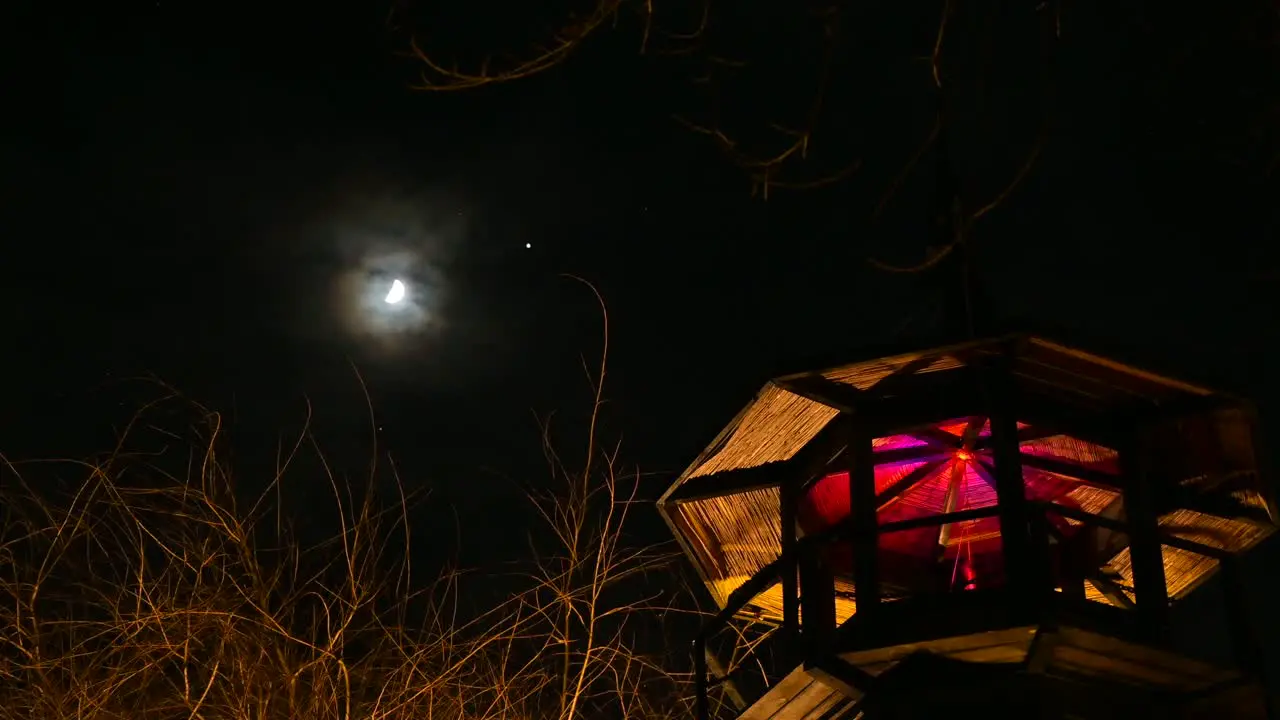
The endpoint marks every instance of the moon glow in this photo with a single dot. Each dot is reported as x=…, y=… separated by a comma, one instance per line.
x=395, y=294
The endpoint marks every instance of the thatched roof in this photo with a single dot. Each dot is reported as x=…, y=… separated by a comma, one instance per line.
x=732, y=532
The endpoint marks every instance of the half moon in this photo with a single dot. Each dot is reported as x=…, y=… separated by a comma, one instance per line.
x=396, y=294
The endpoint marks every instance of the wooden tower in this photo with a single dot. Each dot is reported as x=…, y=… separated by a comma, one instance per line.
x=1000, y=524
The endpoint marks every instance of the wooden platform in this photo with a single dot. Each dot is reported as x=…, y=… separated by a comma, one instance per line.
x=1065, y=652
x=1068, y=669
x=802, y=696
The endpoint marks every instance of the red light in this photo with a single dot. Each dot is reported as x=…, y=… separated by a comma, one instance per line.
x=964, y=455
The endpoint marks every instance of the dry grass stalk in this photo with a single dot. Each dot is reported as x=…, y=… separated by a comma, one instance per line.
x=140, y=595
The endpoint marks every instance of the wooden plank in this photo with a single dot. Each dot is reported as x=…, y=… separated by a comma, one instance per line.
x=1040, y=653
x=826, y=707
x=1095, y=664
x=769, y=705
x=1012, y=642
x=1177, y=670
x=845, y=679
x=1099, y=698
x=996, y=654
x=813, y=460
x=929, y=617
x=1105, y=370
x=803, y=703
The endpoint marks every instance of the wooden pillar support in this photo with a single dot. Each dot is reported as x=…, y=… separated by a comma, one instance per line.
x=1263, y=462
x=1020, y=556
x=817, y=600
x=865, y=524
x=1249, y=653
x=789, y=496
x=1149, y=587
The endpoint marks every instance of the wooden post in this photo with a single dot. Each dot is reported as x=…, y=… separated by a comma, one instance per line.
x=1262, y=463
x=1248, y=652
x=865, y=523
x=1015, y=519
x=701, y=706
x=789, y=502
x=817, y=599
x=1152, y=594
x=1075, y=564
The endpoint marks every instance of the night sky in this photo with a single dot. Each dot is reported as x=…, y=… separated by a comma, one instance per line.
x=202, y=193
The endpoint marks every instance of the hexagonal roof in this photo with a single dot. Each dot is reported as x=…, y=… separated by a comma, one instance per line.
x=786, y=414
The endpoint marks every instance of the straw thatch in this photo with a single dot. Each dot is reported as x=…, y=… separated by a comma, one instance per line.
x=774, y=428
x=865, y=375
x=738, y=534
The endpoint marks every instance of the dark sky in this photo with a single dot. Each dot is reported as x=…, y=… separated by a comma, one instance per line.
x=191, y=190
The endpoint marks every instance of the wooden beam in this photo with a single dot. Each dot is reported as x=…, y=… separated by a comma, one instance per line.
x=1163, y=536
x=939, y=520
x=1149, y=585
x=901, y=379
x=744, y=593
x=724, y=680
x=1040, y=653
x=701, y=706
x=1058, y=418
x=986, y=471
x=924, y=452
x=836, y=395
x=817, y=600
x=1212, y=503
x=1084, y=517
x=938, y=438
x=924, y=618
x=850, y=681
x=1086, y=475
x=811, y=461
x=730, y=482
x=1020, y=548
x=1180, y=407
x=930, y=397
x=953, y=394
x=907, y=482
x=1074, y=571
x=790, y=500
x=1111, y=590
x=1109, y=427
x=1264, y=464
x=1031, y=432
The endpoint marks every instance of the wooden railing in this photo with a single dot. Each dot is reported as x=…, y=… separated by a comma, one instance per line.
x=1038, y=515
